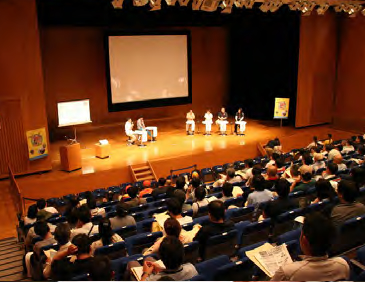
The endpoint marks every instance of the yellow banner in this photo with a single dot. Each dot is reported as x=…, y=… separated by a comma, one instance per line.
x=37, y=143
x=281, y=108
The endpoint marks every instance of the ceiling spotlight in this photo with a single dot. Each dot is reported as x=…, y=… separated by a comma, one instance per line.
x=322, y=9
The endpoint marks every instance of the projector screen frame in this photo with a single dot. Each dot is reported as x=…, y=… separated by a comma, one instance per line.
x=69, y=101
x=116, y=107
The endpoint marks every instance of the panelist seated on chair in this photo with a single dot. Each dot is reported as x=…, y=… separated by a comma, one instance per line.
x=238, y=120
x=190, y=123
x=128, y=127
x=222, y=121
x=141, y=126
x=208, y=122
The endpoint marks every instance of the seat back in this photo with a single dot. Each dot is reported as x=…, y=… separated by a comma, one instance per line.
x=139, y=208
x=241, y=270
x=222, y=244
x=285, y=222
x=113, y=251
x=137, y=243
x=139, y=216
x=201, y=220
x=151, y=212
x=256, y=232
x=202, y=211
x=207, y=174
x=191, y=252
x=126, y=231
x=240, y=214
x=145, y=225
x=209, y=267
x=119, y=265
x=237, y=201
x=242, y=252
x=288, y=236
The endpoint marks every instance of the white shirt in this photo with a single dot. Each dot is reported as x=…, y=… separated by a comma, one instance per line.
x=208, y=117
x=85, y=229
x=51, y=209
x=128, y=128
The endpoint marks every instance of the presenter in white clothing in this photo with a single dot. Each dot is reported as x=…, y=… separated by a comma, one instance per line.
x=222, y=121
x=190, y=123
x=128, y=127
x=141, y=126
x=208, y=122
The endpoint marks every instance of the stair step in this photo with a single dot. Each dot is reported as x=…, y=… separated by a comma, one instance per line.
x=8, y=247
x=4, y=275
x=19, y=276
x=10, y=260
x=8, y=241
x=10, y=266
x=140, y=168
x=10, y=250
x=146, y=178
x=147, y=172
x=12, y=254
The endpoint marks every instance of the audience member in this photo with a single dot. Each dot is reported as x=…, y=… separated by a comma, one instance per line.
x=315, y=241
x=292, y=173
x=135, y=200
x=45, y=211
x=304, y=183
x=217, y=225
x=122, y=217
x=314, y=143
x=329, y=140
x=338, y=160
x=31, y=215
x=94, y=210
x=246, y=171
x=161, y=189
x=201, y=201
x=260, y=194
x=330, y=172
x=348, y=147
x=332, y=152
x=84, y=224
x=272, y=160
x=107, y=235
x=271, y=177
x=147, y=189
x=227, y=190
x=101, y=269
x=318, y=162
x=280, y=165
x=348, y=207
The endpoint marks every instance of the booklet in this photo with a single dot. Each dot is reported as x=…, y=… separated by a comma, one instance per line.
x=138, y=271
x=50, y=253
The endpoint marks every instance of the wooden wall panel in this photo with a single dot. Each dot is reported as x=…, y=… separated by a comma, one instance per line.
x=317, y=69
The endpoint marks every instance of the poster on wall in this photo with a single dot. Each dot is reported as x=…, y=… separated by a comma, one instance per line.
x=281, y=110
x=37, y=143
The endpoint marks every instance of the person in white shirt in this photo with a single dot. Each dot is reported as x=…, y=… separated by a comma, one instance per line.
x=128, y=127
x=190, y=123
x=107, y=236
x=315, y=143
x=338, y=159
x=347, y=147
x=142, y=127
x=31, y=215
x=42, y=205
x=318, y=162
x=332, y=152
x=84, y=224
x=208, y=122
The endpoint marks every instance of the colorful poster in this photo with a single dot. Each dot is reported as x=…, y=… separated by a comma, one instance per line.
x=281, y=110
x=37, y=143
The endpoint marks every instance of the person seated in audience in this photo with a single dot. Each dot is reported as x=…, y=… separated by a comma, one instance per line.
x=292, y=173
x=329, y=140
x=272, y=160
x=230, y=177
x=81, y=260
x=227, y=190
x=315, y=242
x=107, y=236
x=305, y=182
x=181, y=197
x=31, y=215
x=94, y=210
x=171, y=252
x=217, y=225
x=180, y=184
x=330, y=172
x=283, y=203
x=314, y=143
x=43, y=209
x=101, y=269
x=280, y=165
x=348, y=207
x=260, y=194
x=358, y=176
x=246, y=172
x=122, y=217
x=62, y=235
x=31, y=232
x=135, y=199
x=200, y=200
x=325, y=192
x=318, y=162
x=172, y=228
x=256, y=170
x=333, y=151
x=361, y=151
x=71, y=204
x=271, y=177
x=147, y=190
x=338, y=160
x=347, y=147
x=306, y=160
x=84, y=224
x=193, y=185
x=272, y=143
x=161, y=189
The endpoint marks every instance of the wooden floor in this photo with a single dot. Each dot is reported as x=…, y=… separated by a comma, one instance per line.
x=173, y=149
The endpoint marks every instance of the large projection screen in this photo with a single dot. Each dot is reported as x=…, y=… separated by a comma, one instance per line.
x=148, y=70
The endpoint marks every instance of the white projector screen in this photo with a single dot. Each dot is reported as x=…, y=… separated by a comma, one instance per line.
x=73, y=112
x=148, y=70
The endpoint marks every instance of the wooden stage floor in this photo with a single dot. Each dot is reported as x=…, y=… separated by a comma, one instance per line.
x=173, y=149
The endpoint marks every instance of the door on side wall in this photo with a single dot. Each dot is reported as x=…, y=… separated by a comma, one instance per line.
x=13, y=143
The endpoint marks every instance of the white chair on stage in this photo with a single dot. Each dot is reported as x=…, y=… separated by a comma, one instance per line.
x=190, y=124
x=154, y=132
x=222, y=126
x=142, y=136
x=242, y=127
x=208, y=126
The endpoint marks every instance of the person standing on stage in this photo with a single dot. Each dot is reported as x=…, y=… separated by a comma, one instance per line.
x=208, y=122
x=239, y=118
x=190, y=122
x=222, y=121
x=128, y=127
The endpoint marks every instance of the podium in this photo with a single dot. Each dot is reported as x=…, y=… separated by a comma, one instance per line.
x=70, y=157
x=102, y=151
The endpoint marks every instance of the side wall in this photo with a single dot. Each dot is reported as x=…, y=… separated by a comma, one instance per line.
x=74, y=68
x=350, y=87
x=317, y=69
x=21, y=69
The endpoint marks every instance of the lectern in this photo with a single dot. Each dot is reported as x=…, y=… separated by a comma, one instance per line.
x=70, y=157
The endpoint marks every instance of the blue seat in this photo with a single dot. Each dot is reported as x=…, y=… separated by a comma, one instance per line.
x=57, y=220
x=54, y=202
x=240, y=214
x=222, y=244
x=126, y=231
x=139, y=208
x=99, y=193
x=209, y=267
x=288, y=236
x=251, y=233
x=207, y=174
x=296, y=194
x=218, y=169
x=202, y=211
x=54, y=246
x=170, y=177
x=242, y=252
x=187, y=213
x=96, y=219
x=81, y=277
x=159, y=203
x=145, y=225
x=114, y=189
x=113, y=251
x=139, y=216
x=320, y=170
x=137, y=243
x=285, y=222
x=191, y=252
x=294, y=249
x=151, y=212
x=111, y=214
x=241, y=270
x=94, y=237
x=184, y=174
x=161, y=196
x=201, y=220
x=237, y=201
x=119, y=265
